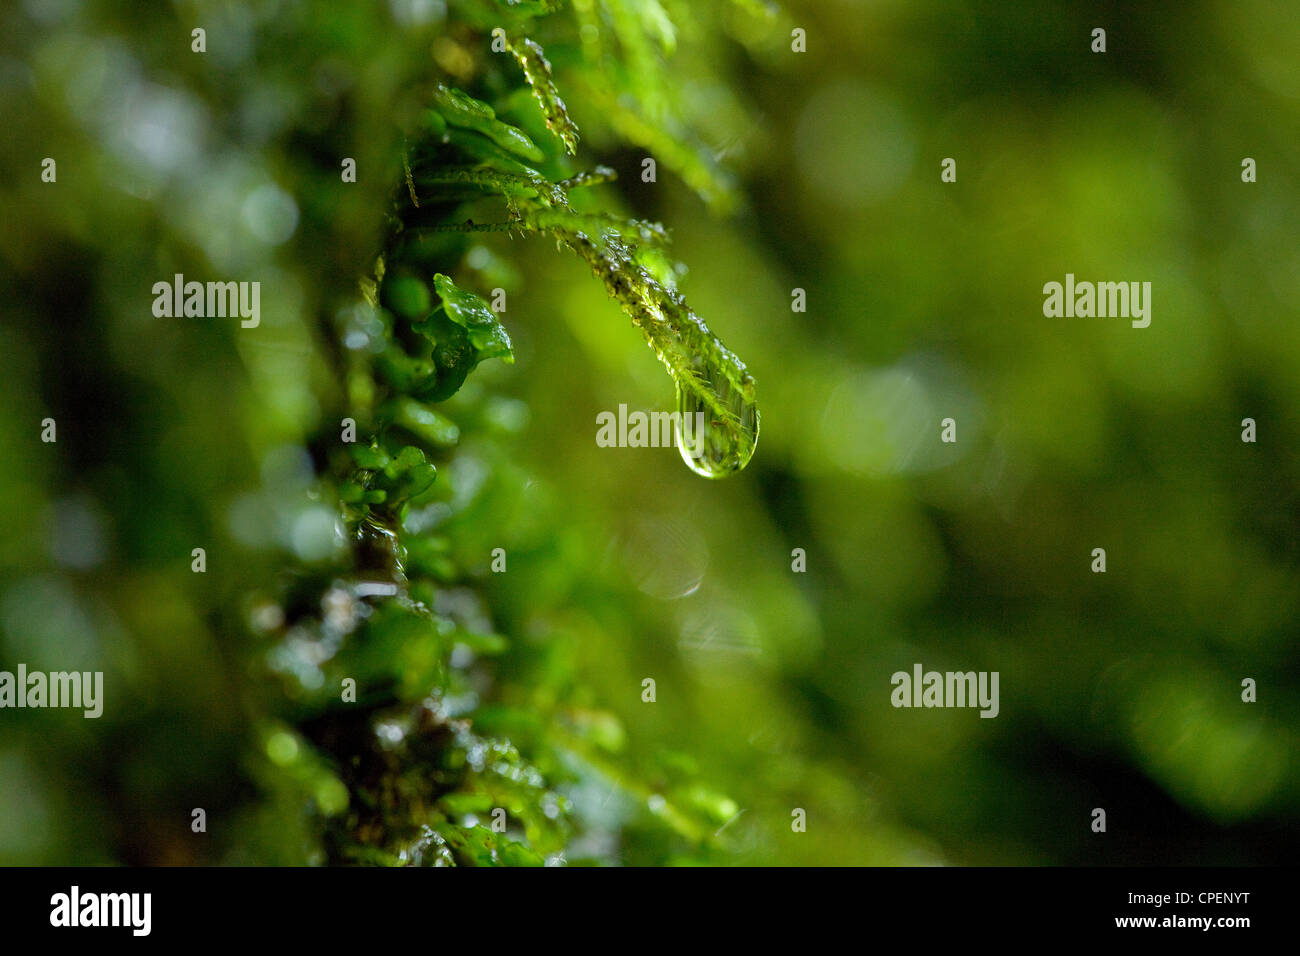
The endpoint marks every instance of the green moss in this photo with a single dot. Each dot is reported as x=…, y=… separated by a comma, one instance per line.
x=414, y=780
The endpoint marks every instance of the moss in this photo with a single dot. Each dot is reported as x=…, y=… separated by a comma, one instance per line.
x=387, y=657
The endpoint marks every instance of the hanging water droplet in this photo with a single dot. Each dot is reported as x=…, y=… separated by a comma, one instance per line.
x=717, y=427
x=716, y=444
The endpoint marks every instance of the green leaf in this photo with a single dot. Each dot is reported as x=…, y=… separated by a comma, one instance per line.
x=487, y=153
x=516, y=854
x=537, y=71
x=461, y=109
x=369, y=456
x=453, y=357
x=432, y=426
x=470, y=312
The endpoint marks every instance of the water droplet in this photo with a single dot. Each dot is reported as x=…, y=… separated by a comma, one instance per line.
x=718, y=428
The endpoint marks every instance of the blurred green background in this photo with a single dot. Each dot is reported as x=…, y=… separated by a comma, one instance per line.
x=816, y=170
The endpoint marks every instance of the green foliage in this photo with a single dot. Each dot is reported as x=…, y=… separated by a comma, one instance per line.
x=537, y=71
x=710, y=379
x=476, y=691
x=461, y=110
x=329, y=562
x=415, y=776
x=484, y=333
